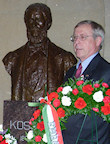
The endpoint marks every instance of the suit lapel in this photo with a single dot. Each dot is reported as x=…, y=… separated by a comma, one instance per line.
x=91, y=68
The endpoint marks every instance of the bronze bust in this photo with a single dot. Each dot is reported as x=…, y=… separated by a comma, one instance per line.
x=39, y=62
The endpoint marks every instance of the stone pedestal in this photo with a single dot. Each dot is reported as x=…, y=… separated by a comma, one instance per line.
x=16, y=116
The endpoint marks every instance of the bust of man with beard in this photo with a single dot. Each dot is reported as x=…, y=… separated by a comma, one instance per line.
x=39, y=62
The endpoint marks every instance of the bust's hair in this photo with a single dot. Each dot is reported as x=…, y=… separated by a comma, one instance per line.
x=45, y=11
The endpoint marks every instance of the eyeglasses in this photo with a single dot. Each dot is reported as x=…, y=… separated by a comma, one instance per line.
x=81, y=37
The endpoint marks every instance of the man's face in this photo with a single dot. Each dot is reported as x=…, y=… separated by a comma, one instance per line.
x=36, y=26
x=84, y=44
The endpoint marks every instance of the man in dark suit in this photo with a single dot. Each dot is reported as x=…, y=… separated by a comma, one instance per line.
x=88, y=38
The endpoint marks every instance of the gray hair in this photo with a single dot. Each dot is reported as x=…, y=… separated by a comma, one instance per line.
x=98, y=30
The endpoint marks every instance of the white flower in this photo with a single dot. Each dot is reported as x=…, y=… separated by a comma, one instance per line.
x=41, y=98
x=7, y=136
x=15, y=142
x=30, y=134
x=44, y=138
x=66, y=89
x=98, y=96
x=66, y=101
x=10, y=139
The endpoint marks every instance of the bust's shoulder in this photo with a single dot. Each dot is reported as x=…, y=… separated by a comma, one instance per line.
x=13, y=55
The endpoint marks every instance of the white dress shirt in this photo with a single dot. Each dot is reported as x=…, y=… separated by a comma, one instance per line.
x=86, y=62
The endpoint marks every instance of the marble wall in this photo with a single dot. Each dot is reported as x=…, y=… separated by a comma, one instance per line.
x=65, y=14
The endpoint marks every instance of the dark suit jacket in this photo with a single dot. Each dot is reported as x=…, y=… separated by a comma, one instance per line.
x=96, y=70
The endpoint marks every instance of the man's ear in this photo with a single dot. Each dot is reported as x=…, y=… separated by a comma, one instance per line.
x=98, y=41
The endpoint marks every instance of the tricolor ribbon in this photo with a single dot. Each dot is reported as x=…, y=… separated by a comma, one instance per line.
x=51, y=123
x=52, y=126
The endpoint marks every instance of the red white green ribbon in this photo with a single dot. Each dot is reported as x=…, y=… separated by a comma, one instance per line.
x=52, y=126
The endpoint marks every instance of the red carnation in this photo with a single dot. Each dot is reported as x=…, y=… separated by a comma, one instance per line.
x=1, y=137
x=40, y=126
x=88, y=89
x=75, y=91
x=108, y=92
x=38, y=138
x=56, y=103
x=36, y=114
x=59, y=89
x=79, y=82
x=105, y=85
x=95, y=109
x=61, y=112
x=3, y=142
x=30, y=122
x=42, y=100
x=106, y=99
x=52, y=95
x=96, y=85
x=80, y=103
x=105, y=109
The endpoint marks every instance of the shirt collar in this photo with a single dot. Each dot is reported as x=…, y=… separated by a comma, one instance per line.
x=86, y=62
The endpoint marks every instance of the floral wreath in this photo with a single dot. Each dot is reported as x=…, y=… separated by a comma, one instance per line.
x=6, y=137
x=73, y=97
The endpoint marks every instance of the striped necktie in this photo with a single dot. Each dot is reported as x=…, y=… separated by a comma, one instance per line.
x=78, y=72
